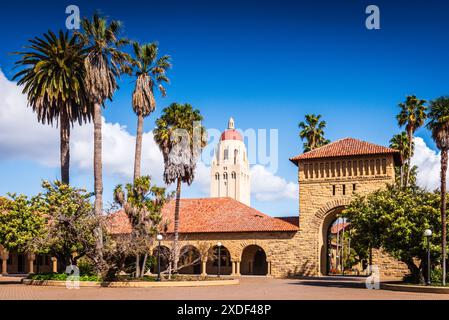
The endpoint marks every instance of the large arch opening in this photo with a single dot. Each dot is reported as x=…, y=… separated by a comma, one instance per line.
x=165, y=259
x=254, y=261
x=337, y=254
x=189, y=260
x=225, y=261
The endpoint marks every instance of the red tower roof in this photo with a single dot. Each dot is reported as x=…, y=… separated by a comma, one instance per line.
x=231, y=134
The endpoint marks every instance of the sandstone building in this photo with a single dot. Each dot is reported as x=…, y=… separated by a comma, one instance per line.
x=253, y=243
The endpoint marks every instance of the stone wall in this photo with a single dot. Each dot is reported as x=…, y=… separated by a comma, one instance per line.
x=326, y=187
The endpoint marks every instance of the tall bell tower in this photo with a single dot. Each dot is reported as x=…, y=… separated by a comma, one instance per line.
x=230, y=176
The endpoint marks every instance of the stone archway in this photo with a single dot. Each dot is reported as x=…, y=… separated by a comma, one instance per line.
x=313, y=237
x=189, y=260
x=254, y=261
x=328, y=220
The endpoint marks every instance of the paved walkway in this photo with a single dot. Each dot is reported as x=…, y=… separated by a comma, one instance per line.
x=249, y=288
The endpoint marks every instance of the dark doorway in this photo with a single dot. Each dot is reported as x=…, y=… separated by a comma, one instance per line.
x=260, y=263
x=254, y=261
x=20, y=263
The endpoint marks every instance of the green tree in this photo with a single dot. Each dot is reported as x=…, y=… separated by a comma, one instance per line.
x=401, y=143
x=150, y=70
x=53, y=79
x=312, y=130
x=103, y=63
x=181, y=138
x=70, y=223
x=142, y=203
x=439, y=125
x=395, y=219
x=20, y=222
x=412, y=115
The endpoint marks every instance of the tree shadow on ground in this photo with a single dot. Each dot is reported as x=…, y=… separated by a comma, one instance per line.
x=330, y=283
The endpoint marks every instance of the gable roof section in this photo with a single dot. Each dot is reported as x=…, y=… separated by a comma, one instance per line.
x=208, y=215
x=347, y=147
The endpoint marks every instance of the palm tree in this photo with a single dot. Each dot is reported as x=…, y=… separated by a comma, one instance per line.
x=439, y=125
x=53, y=80
x=313, y=132
x=401, y=143
x=104, y=62
x=412, y=116
x=181, y=139
x=149, y=70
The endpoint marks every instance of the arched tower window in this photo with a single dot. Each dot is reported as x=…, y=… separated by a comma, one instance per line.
x=236, y=152
x=233, y=175
x=225, y=176
x=226, y=154
x=217, y=176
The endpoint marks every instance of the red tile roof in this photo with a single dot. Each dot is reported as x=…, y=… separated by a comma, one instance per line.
x=347, y=147
x=210, y=215
x=339, y=227
x=294, y=220
x=231, y=134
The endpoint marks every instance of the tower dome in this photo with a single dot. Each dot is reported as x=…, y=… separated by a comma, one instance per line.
x=231, y=133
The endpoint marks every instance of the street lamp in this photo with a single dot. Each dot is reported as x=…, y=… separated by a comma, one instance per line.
x=159, y=239
x=219, y=258
x=428, y=234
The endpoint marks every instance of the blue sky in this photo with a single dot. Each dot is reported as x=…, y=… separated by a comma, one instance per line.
x=267, y=64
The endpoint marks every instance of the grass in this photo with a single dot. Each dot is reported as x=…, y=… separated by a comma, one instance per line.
x=123, y=278
x=61, y=277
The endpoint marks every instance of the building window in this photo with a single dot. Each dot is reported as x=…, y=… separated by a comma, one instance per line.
x=384, y=166
x=333, y=190
x=354, y=187
x=233, y=175
x=226, y=154
x=217, y=176
x=236, y=152
x=344, y=189
x=225, y=176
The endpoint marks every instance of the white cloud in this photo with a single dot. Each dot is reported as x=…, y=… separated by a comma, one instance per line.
x=23, y=138
x=266, y=186
x=428, y=163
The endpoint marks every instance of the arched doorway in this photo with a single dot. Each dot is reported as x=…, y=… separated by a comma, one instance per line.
x=327, y=255
x=189, y=260
x=165, y=259
x=225, y=264
x=337, y=254
x=254, y=261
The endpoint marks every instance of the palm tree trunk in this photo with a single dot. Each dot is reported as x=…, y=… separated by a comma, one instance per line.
x=137, y=266
x=138, y=152
x=98, y=179
x=176, y=227
x=443, y=211
x=144, y=262
x=402, y=176
x=410, y=144
x=64, y=132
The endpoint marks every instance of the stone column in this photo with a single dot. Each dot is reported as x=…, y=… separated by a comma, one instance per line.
x=31, y=257
x=54, y=263
x=203, y=268
x=5, y=257
x=233, y=268
x=268, y=268
x=237, y=267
